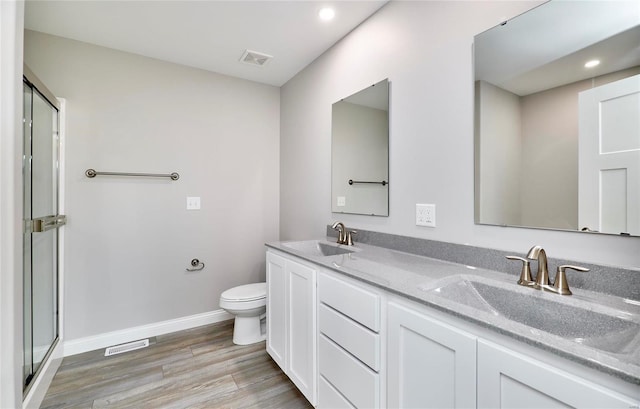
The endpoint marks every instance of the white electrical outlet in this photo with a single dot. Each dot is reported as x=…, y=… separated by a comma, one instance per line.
x=193, y=203
x=342, y=201
x=426, y=215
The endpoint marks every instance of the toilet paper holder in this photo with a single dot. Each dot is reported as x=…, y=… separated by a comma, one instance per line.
x=196, y=264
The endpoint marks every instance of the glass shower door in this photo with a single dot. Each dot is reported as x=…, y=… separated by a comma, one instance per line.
x=41, y=144
x=28, y=346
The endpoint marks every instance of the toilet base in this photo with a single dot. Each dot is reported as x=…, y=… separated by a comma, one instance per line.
x=247, y=330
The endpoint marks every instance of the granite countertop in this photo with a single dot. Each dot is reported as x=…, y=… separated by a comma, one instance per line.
x=416, y=278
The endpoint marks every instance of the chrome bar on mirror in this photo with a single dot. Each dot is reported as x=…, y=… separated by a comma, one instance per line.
x=91, y=173
x=383, y=183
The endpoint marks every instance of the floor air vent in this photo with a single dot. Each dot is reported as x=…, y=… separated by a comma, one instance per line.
x=118, y=349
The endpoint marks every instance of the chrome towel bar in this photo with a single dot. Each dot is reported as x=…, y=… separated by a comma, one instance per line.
x=91, y=173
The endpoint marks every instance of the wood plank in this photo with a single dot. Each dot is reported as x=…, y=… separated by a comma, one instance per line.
x=222, y=357
x=108, y=369
x=196, y=368
x=258, y=370
x=82, y=392
x=173, y=394
x=256, y=394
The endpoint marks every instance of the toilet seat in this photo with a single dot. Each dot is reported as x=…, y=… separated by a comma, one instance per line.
x=241, y=307
x=245, y=293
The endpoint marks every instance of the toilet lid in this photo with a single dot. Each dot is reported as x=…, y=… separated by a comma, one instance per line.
x=247, y=292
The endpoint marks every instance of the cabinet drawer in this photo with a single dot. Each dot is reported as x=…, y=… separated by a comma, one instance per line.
x=356, y=303
x=358, y=340
x=355, y=381
x=330, y=398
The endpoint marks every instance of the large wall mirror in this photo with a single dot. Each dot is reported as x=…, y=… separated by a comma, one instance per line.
x=360, y=152
x=557, y=118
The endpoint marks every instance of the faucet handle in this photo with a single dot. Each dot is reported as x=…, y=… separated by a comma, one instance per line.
x=525, y=274
x=560, y=284
x=350, y=234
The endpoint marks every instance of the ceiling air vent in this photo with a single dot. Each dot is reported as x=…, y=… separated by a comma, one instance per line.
x=255, y=58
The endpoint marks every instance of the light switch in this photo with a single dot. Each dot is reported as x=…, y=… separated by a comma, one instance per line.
x=342, y=201
x=193, y=203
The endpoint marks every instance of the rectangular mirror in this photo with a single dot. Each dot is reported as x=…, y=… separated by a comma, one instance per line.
x=557, y=134
x=360, y=152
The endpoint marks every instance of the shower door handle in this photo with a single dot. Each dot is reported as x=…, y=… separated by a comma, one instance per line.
x=46, y=223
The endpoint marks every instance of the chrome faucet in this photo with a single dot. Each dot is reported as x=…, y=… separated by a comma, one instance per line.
x=542, y=282
x=344, y=236
x=542, y=276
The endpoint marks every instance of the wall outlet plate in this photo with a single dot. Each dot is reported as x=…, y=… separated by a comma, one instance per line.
x=193, y=203
x=426, y=215
x=342, y=201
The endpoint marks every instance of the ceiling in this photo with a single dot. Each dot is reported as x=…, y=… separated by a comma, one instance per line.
x=548, y=46
x=206, y=34
x=616, y=53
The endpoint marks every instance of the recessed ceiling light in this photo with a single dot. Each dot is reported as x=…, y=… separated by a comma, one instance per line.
x=326, y=14
x=592, y=63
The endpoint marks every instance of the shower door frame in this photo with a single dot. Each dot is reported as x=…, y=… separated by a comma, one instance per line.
x=34, y=390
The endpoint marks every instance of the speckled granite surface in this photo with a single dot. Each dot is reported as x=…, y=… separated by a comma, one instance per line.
x=603, y=279
x=605, y=335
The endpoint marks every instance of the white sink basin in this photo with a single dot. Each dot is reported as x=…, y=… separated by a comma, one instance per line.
x=317, y=248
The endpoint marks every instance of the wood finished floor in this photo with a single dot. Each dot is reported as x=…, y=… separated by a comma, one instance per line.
x=197, y=368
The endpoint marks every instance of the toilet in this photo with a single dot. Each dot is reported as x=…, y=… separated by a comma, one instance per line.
x=248, y=304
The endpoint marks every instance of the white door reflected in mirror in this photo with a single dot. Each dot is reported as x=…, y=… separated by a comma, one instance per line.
x=609, y=168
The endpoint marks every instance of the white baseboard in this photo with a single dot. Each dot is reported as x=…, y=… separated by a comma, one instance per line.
x=80, y=345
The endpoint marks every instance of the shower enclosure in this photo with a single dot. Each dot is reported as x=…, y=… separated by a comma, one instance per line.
x=41, y=222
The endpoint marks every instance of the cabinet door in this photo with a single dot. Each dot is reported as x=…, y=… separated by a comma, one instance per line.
x=276, y=309
x=430, y=364
x=301, y=341
x=507, y=379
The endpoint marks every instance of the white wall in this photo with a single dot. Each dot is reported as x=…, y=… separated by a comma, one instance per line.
x=424, y=48
x=11, y=29
x=129, y=240
x=550, y=145
x=498, y=154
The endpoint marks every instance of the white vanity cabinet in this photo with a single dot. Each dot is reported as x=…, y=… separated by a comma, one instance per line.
x=436, y=361
x=508, y=379
x=430, y=363
x=291, y=320
x=349, y=345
